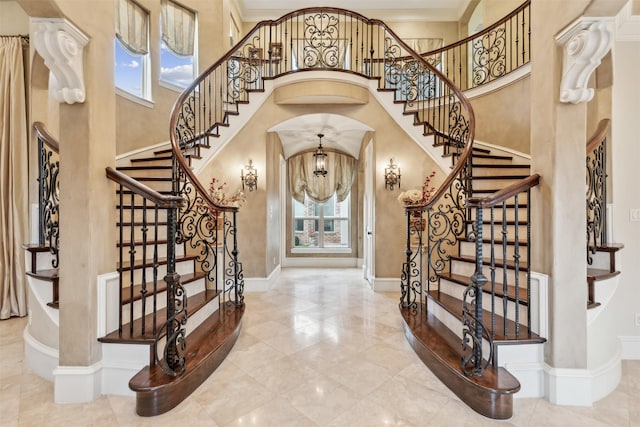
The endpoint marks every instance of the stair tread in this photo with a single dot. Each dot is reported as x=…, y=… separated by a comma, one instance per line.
x=140, y=223
x=194, y=303
x=129, y=192
x=206, y=347
x=47, y=274
x=610, y=247
x=487, y=261
x=497, y=221
x=497, y=239
x=511, y=290
x=149, y=263
x=141, y=243
x=36, y=247
x=492, y=177
x=151, y=159
x=144, y=167
x=152, y=178
x=441, y=350
x=454, y=306
x=500, y=166
x=161, y=286
x=596, y=274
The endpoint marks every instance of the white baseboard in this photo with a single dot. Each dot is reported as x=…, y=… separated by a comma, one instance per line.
x=319, y=262
x=42, y=359
x=630, y=347
x=526, y=363
x=107, y=295
x=359, y=262
x=386, y=284
x=77, y=384
x=582, y=387
x=261, y=284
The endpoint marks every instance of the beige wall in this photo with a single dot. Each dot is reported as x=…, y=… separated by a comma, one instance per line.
x=139, y=126
x=494, y=10
x=389, y=141
x=13, y=19
x=503, y=116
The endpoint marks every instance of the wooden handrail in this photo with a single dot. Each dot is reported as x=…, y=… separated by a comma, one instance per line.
x=504, y=194
x=46, y=137
x=599, y=135
x=160, y=200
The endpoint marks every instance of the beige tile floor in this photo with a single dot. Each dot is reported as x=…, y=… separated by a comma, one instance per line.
x=319, y=349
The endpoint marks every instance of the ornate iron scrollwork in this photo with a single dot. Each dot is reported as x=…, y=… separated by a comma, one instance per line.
x=49, y=200
x=322, y=47
x=489, y=56
x=596, y=199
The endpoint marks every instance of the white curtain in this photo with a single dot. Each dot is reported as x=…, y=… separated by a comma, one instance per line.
x=424, y=45
x=132, y=26
x=178, y=28
x=341, y=170
x=14, y=188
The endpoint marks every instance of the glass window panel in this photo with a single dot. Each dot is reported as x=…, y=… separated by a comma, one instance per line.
x=129, y=72
x=175, y=69
x=338, y=237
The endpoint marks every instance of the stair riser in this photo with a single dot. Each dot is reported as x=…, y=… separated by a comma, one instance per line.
x=489, y=161
x=456, y=290
x=469, y=248
x=492, y=184
x=139, y=214
x=498, y=214
x=160, y=162
x=140, y=253
x=497, y=231
x=138, y=233
x=155, y=185
x=489, y=171
x=182, y=267
x=467, y=269
x=147, y=173
x=161, y=300
x=601, y=260
x=43, y=261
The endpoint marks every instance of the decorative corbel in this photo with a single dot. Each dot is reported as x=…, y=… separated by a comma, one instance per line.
x=585, y=43
x=61, y=45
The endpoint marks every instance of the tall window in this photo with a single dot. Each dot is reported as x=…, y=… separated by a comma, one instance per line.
x=321, y=225
x=132, y=49
x=178, y=63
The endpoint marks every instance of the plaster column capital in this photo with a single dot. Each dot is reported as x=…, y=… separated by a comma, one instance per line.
x=585, y=42
x=61, y=45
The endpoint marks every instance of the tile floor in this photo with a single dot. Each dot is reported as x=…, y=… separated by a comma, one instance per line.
x=319, y=349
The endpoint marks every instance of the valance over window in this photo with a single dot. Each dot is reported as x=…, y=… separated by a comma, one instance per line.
x=132, y=26
x=178, y=28
x=341, y=168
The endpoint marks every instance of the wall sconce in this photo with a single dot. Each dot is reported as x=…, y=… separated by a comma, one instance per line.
x=250, y=177
x=391, y=175
x=321, y=160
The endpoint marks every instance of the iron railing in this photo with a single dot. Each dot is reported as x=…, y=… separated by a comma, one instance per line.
x=596, y=178
x=48, y=191
x=489, y=54
x=509, y=281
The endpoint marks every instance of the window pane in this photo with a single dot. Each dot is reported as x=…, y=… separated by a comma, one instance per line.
x=175, y=69
x=308, y=235
x=338, y=235
x=298, y=209
x=129, y=71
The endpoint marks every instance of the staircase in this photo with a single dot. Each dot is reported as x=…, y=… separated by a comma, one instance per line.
x=171, y=294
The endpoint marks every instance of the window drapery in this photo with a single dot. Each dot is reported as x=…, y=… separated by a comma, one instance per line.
x=424, y=45
x=178, y=28
x=132, y=26
x=14, y=188
x=341, y=174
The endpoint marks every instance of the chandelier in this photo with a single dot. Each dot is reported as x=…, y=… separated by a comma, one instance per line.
x=321, y=160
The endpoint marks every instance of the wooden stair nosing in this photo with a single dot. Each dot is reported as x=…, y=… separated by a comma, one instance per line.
x=497, y=222
x=482, y=156
x=135, y=336
x=499, y=166
x=207, y=346
x=161, y=286
x=152, y=178
x=36, y=247
x=440, y=349
x=141, y=243
x=511, y=290
x=49, y=274
x=149, y=263
x=140, y=223
x=497, y=240
x=151, y=159
x=487, y=261
x=597, y=274
x=454, y=307
x=144, y=168
x=610, y=247
x=497, y=177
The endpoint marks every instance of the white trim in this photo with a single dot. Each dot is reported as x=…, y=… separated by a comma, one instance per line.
x=508, y=150
x=133, y=98
x=359, y=262
x=106, y=302
x=171, y=86
x=41, y=358
x=77, y=384
x=154, y=147
x=497, y=84
x=583, y=387
x=261, y=284
x=541, y=303
x=627, y=25
x=630, y=347
x=319, y=262
x=386, y=284
x=321, y=250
